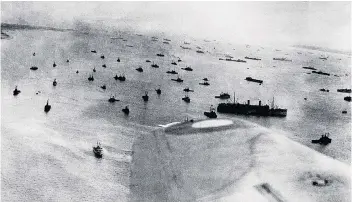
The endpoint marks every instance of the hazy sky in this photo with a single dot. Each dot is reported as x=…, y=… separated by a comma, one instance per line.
x=326, y=24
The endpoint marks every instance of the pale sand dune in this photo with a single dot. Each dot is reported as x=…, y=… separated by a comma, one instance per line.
x=230, y=163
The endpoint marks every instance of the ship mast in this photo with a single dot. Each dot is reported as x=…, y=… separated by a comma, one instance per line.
x=272, y=104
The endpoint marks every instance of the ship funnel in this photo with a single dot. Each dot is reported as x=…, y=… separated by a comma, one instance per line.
x=248, y=102
x=260, y=103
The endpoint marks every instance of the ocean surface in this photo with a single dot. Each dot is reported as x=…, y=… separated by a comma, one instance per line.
x=48, y=157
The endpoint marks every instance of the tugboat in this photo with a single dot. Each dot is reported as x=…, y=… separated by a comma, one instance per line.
x=104, y=65
x=93, y=51
x=139, y=69
x=155, y=65
x=223, y=96
x=186, y=99
x=103, y=87
x=98, y=150
x=211, y=113
x=112, y=99
x=147, y=61
x=126, y=110
x=187, y=68
x=160, y=55
x=54, y=65
x=158, y=91
x=205, y=83
x=177, y=80
x=47, y=107
x=171, y=72
x=254, y=80
x=94, y=69
x=16, y=92
x=118, y=60
x=188, y=90
x=325, y=140
x=348, y=98
x=346, y=90
x=91, y=78
x=102, y=57
x=33, y=68
x=173, y=63
x=145, y=97
x=54, y=82
x=121, y=78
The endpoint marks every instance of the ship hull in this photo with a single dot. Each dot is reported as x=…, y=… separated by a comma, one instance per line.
x=255, y=110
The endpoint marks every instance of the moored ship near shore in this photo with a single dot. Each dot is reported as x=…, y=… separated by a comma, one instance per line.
x=248, y=109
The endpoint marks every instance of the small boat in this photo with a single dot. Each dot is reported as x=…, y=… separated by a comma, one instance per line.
x=158, y=91
x=91, y=78
x=188, y=90
x=199, y=51
x=348, y=98
x=211, y=113
x=16, y=91
x=93, y=51
x=47, y=107
x=187, y=68
x=320, y=72
x=324, y=90
x=54, y=82
x=102, y=57
x=344, y=112
x=104, y=65
x=312, y=68
x=145, y=97
x=177, y=80
x=171, y=72
x=77, y=72
x=155, y=65
x=252, y=58
x=186, y=99
x=325, y=140
x=34, y=54
x=254, y=80
x=223, y=96
x=103, y=87
x=205, y=83
x=126, y=110
x=160, y=55
x=67, y=60
x=139, y=69
x=173, y=63
x=94, y=69
x=98, y=150
x=165, y=42
x=112, y=99
x=33, y=68
x=183, y=47
x=179, y=60
x=118, y=60
x=54, y=65
x=147, y=61
x=121, y=78
x=205, y=79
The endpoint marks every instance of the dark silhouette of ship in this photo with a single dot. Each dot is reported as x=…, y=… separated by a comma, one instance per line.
x=112, y=99
x=139, y=69
x=54, y=82
x=211, y=113
x=324, y=140
x=324, y=90
x=118, y=60
x=126, y=110
x=252, y=58
x=186, y=99
x=320, y=72
x=77, y=72
x=147, y=61
x=184, y=47
x=346, y=90
x=91, y=78
x=172, y=72
x=323, y=58
x=158, y=91
x=155, y=65
x=187, y=68
x=254, y=80
x=179, y=60
x=67, y=60
x=177, y=80
x=103, y=87
x=47, y=107
x=93, y=51
x=238, y=60
x=94, y=69
x=145, y=97
x=16, y=91
x=33, y=68
x=282, y=59
x=54, y=65
x=223, y=96
x=34, y=54
x=102, y=57
x=160, y=55
x=188, y=90
x=248, y=109
x=312, y=68
x=167, y=39
x=348, y=98
x=199, y=51
x=165, y=42
x=173, y=63
x=98, y=150
x=120, y=78
x=104, y=65
x=205, y=83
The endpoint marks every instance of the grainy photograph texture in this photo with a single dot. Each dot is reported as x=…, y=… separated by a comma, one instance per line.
x=175, y=101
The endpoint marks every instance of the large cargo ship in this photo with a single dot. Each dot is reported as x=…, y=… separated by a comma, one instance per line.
x=248, y=109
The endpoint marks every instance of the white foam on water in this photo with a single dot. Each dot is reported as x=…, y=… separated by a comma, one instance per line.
x=212, y=123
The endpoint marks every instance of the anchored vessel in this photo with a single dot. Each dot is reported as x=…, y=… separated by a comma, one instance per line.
x=250, y=58
x=312, y=68
x=254, y=80
x=346, y=90
x=282, y=59
x=320, y=72
x=16, y=91
x=126, y=110
x=98, y=150
x=248, y=109
x=223, y=96
x=324, y=139
x=211, y=113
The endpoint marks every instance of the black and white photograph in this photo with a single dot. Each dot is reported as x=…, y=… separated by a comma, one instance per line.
x=176, y=101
